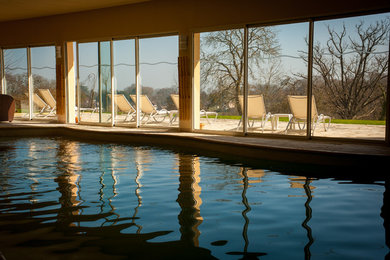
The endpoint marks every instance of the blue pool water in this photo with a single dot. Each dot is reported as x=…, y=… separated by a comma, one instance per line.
x=66, y=199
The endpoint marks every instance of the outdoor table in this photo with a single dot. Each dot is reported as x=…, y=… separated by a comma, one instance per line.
x=275, y=120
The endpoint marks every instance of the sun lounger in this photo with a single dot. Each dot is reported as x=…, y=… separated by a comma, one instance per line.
x=174, y=114
x=256, y=110
x=39, y=104
x=49, y=100
x=175, y=99
x=124, y=105
x=149, y=110
x=298, y=107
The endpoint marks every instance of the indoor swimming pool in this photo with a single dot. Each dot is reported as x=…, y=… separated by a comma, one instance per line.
x=66, y=199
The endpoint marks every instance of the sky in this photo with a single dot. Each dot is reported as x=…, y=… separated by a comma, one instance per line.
x=158, y=61
x=158, y=55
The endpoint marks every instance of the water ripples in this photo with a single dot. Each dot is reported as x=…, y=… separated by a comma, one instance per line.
x=62, y=198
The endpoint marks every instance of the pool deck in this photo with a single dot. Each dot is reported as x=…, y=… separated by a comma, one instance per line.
x=362, y=156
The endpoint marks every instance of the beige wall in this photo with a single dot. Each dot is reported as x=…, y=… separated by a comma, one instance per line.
x=167, y=16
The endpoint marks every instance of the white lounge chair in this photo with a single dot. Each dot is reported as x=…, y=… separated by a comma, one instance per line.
x=256, y=110
x=298, y=107
x=49, y=99
x=174, y=113
x=148, y=109
x=38, y=103
x=124, y=105
x=175, y=99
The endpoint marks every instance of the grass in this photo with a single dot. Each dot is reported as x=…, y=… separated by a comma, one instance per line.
x=335, y=121
x=359, y=122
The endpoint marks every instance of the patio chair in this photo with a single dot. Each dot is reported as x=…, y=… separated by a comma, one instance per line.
x=39, y=103
x=124, y=105
x=50, y=101
x=174, y=113
x=175, y=99
x=256, y=110
x=148, y=109
x=298, y=107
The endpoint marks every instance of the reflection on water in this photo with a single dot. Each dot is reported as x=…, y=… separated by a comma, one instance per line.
x=62, y=199
x=67, y=178
x=189, y=199
x=305, y=223
x=256, y=175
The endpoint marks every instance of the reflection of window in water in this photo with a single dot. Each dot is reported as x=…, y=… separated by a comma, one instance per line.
x=299, y=182
x=302, y=182
x=252, y=175
x=108, y=184
x=68, y=180
x=256, y=174
x=189, y=198
x=142, y=158
x=32, y=149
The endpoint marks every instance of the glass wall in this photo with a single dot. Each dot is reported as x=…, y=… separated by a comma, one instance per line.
x=277, y=61
x=88, y=74
x=348, y=84
x=2, y=88
x=159, y=80
x=350, y=69
x=222, y=80
x=276, y=69
x=124, y=71
x=105, y=81
x=16, y=79
x=43, y=70
x=157, y=68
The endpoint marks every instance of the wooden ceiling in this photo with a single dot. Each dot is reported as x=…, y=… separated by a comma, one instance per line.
x=11, y=10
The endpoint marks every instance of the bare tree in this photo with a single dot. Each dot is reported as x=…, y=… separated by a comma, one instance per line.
x=353, y=69
x=222, y=58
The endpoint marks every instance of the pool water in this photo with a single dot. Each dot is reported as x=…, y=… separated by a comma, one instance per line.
x=66, y=199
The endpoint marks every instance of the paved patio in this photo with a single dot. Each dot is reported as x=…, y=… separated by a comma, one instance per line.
x=371, y=132
x=355, y=131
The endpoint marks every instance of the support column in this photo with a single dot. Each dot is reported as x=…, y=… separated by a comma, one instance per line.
x=2, y=74
x=138, y=88
x=70, y=84
x=196, y=80
x=30, y=85
x=60, y=83
x=186, y=73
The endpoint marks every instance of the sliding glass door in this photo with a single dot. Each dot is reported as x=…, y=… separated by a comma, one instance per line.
x=114, y=75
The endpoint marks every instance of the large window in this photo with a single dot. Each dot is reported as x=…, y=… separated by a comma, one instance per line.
x=88, y=78
x=124, y=71
x=146, y=68
x=260, y=74
x=158, y=71
x=43, y=70
x=94, y=76
x=350, y=70
x=105, y=80
x=277, y=71
x=30, y=78
x=221, y=80
x=16, y=79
